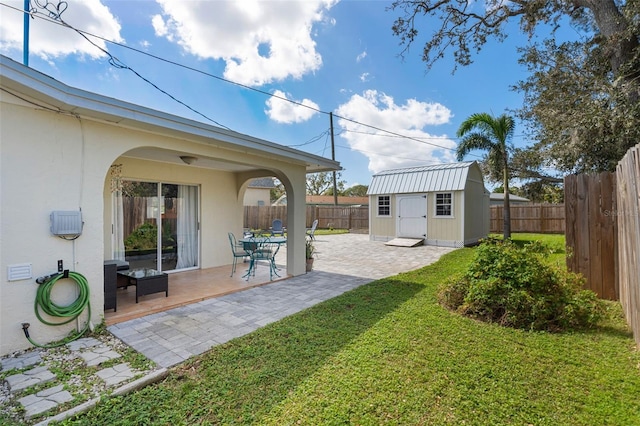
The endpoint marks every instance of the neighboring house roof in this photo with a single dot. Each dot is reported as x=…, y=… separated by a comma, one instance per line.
x=262, y=183
x=31, y=83
x=499, y=196
x=440, y=177
x=342, y=200
x=326, y=200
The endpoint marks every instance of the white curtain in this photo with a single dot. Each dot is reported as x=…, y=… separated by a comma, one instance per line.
x=187, y=226
x=117, y=233
x=117, y=213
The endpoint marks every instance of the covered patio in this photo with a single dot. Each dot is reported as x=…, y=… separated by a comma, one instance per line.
x=95, y=158
x=190, y=287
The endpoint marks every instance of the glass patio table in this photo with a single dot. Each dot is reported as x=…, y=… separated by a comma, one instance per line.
x=262, y=248
x=147, y=281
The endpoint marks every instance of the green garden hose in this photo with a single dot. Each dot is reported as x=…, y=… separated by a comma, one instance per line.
x=44, y=303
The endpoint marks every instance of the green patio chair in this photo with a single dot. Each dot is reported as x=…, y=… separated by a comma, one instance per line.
x=237, y=250
x=262, y=249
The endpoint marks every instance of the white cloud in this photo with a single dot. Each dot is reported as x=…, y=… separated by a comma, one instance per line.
x=387, y=151
x=51, y=40
x=361, y=56
x=160, y=28
x=283, y=111
x=364, y=77
x=260, y=41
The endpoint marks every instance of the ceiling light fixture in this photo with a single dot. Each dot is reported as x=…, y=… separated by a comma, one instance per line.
x=188, y=159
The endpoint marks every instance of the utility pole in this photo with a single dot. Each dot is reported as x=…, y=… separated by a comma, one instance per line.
x=25, y=37
x=54, y=11
x=333, y=157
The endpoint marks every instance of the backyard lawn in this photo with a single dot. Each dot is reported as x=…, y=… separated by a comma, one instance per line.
x=388, y=353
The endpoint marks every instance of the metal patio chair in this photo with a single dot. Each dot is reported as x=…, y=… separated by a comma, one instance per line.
x=277, y=228
x=311, y=231
x=261, y=249
x=237, y=250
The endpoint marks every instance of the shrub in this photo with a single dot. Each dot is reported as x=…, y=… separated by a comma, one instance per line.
x=515, y=287
x=144, y=237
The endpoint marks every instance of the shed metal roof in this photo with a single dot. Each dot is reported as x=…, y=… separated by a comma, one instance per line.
x=440, y=177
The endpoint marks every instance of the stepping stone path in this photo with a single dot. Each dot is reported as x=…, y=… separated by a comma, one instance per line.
x=35, y=372
x=33, y=377
x=44, y=400
x=116, y=374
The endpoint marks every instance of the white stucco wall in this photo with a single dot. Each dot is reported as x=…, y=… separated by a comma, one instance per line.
x=46, y=165
x=257, y=197
x=56, y=161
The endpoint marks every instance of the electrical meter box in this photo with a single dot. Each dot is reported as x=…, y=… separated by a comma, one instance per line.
x=66, y=223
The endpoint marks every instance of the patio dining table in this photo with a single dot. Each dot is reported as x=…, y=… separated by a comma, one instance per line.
x=253, y=247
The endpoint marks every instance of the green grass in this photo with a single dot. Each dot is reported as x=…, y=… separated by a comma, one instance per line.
x=331, y=231
x=387, y=353
x=555, y=242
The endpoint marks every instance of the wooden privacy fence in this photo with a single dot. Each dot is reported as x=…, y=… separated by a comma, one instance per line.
x=540, y=218
x=336, y=217
x=591, y=234
x=628, y=217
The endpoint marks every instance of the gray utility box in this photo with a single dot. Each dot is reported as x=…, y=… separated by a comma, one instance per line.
x=66, y=223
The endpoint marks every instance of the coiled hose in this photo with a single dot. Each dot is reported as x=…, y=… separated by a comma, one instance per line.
x=44, y=303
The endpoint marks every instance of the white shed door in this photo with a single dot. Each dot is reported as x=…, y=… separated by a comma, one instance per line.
x=412, y=216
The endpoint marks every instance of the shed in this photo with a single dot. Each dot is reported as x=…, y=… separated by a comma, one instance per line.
x=443, y=205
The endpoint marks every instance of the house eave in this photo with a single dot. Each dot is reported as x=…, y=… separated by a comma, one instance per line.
x=24, y=81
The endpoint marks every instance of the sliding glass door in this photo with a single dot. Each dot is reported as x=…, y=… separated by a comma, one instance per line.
x=159, y=225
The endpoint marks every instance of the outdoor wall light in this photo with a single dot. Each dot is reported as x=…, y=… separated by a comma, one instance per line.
x=188, y=159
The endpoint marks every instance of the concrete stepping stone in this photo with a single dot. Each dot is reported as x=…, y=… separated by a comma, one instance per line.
x=116, y=374
x=83, y=343
x=35, y=376
x=98, y=354
x=44, y=400
x=21, y=361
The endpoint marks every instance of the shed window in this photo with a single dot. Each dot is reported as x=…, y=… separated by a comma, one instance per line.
x=384, y=205
x=444, y=203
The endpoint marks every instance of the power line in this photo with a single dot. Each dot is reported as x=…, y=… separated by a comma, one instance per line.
x=120, y=65
x=378, y=154
x=115, y=62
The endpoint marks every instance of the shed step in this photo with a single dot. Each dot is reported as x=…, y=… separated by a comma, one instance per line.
x=405, y=242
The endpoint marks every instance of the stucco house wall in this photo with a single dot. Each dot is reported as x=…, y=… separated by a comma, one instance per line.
x=257, y=197
x=57, y=148
x=258, y=192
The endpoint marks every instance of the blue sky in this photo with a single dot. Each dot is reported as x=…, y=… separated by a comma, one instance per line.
x=337, y=56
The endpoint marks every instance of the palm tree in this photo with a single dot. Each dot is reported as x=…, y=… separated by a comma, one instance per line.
x=492, y=134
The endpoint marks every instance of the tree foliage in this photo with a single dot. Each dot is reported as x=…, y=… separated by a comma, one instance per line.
x=581, y=98
x=356, y=191
x=492, y=134
x=322, y=183
x=277, y=191
x=581, y=118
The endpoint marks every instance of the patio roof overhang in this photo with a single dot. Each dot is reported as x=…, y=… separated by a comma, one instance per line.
x=23, y=81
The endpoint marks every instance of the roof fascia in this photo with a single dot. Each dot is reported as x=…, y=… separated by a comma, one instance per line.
x=36, y=85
